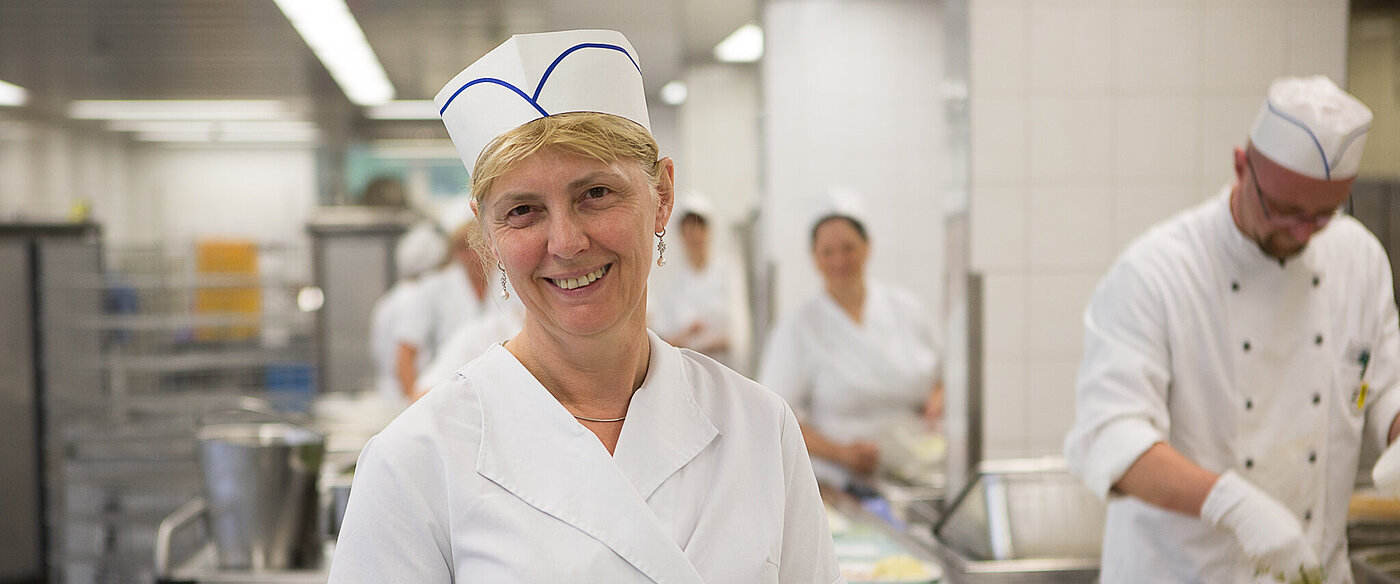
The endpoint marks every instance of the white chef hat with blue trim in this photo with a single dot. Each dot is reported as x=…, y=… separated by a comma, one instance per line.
x=1312, y=127
x=532, y=76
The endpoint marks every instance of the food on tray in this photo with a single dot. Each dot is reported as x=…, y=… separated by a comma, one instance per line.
x=899, y=568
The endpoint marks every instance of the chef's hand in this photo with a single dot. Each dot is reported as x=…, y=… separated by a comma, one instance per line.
x=1270, y=535
x=933, y=408
x=1386, y=473
x=861, y=457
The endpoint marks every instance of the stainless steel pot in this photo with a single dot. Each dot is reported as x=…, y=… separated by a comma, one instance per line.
x=260, y=484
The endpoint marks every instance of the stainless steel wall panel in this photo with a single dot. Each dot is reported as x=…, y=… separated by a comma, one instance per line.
x=21, y=556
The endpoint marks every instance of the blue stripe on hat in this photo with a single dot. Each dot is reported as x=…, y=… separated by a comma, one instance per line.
x=1326, y=166
x=493, y=80
x=1351, y=139
x=533, y=99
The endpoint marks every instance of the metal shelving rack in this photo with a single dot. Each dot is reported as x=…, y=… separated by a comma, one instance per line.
x=168, y=343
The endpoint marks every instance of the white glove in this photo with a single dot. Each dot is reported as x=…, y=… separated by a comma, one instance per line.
x=1386, y=474
x=1270, y=535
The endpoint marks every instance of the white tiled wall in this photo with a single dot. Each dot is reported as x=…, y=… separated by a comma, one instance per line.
x=1092, y=120
x=851, y=97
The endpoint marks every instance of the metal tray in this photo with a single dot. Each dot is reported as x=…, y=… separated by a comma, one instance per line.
x=1021, y=521
x=1377, y=565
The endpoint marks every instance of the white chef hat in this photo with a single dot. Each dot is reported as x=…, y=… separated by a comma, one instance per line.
x=456, y=213
x=1312, y=127
x=420, y=249
x=532, y=76
x=839, y=201
x=697, y=203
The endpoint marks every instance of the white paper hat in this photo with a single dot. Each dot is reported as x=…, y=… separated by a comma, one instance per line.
x=419, y=250
x=455, y=213
x=1312, y=127
x=532, y=76
x=697, y=203
x=840, y=201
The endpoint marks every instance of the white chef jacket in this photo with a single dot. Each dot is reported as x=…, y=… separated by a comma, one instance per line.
x=691, y=296
x=489, y=479
x=854, y=381
x=446, y=302
x=498, y=324
x=1199, y=339
x=383, y=343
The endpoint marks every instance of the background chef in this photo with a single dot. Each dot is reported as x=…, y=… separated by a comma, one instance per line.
x=418, y=251
x=858, y=360
x=584, y=449
x=1232, y=356
x=691, y=308
x=448, y=299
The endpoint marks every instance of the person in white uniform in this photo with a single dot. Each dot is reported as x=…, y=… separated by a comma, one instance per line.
x=858, y=361
x=1233, y=355
x=419, y=250
x=693, y=310
x=448, y=299
x=583, y=449
x=496, y=325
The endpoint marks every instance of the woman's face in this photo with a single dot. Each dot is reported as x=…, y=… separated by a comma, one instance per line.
x=575, y=238
x=840, y=251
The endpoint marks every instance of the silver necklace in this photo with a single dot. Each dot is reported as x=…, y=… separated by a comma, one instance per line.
x=599, y=419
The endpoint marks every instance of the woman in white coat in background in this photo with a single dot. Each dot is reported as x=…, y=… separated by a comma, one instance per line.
x=692, y=307
x=858, y=361
x=419, y=250
x=583, y=449
x=447, y=300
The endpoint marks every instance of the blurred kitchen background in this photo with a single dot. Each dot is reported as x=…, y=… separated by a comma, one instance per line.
x=165, y=259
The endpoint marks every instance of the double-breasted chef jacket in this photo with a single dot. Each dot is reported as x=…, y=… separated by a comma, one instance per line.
x=1199, y=339
x=489, y=479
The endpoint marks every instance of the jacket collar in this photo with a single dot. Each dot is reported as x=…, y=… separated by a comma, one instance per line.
x=532, y=447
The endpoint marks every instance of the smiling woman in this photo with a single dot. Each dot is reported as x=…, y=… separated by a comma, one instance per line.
x=566, y=212
x=585, y=448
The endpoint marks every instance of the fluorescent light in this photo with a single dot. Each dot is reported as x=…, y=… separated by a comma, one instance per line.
x=407, y=109
x=744, y=45
x=332, y=33
x=229, y=131
x=14, y=95
x=210, y=126
x=208, y=109
x=674, y=93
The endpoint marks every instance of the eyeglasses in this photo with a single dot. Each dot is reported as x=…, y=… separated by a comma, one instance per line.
x=1286, y=220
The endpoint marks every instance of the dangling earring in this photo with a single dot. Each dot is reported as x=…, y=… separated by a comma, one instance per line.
x=661, y=248
x=505, y=291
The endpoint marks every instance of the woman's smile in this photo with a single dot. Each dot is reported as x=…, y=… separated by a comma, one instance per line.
x=581, y=281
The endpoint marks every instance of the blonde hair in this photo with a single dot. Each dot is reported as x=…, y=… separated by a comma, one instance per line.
x=603, y=137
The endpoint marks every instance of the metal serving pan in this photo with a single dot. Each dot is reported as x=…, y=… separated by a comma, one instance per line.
x=1022, y=520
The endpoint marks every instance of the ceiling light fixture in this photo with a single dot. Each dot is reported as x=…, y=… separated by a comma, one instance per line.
x=204, y=109
x=332, y=33
x=406, y=109
x=744, y=45
x=178, y=126
x=674, y=93
x=218, y=131
x=13, y=95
